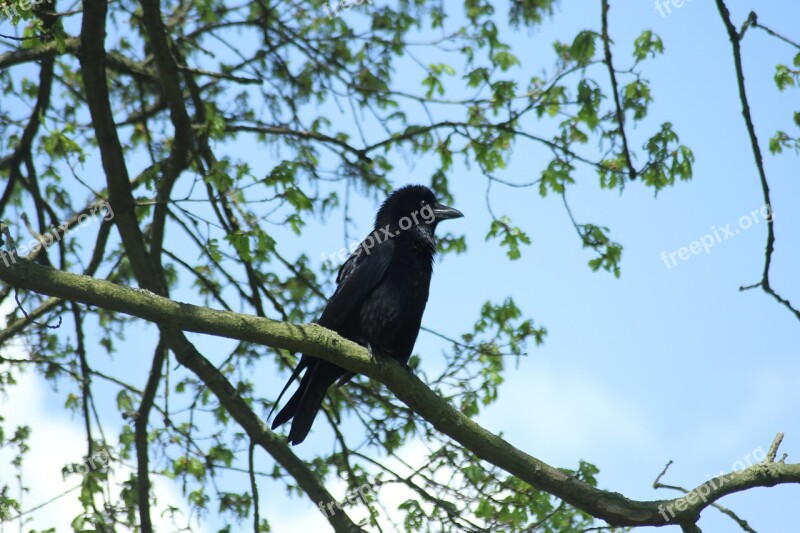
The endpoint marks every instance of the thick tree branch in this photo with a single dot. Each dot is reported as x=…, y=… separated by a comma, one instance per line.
x=317, y=341
x=28, y=55
x=142, y=449
x=189, y=357
x=93, y=58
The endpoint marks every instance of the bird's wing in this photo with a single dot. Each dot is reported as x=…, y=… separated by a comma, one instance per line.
x=359, y=275
x=357, y=278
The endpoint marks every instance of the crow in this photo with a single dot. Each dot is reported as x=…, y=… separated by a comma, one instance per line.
x=380, y=296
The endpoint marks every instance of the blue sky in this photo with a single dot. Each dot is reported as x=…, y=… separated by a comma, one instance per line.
x=661, y=364
x=666, y=363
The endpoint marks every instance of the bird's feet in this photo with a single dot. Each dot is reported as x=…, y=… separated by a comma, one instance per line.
x=407, y=368
x=378, y=359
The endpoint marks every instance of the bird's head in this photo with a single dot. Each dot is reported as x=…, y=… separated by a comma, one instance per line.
x=413, y=205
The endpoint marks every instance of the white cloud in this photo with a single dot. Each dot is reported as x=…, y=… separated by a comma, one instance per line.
x=562, y=410
x=56, y=440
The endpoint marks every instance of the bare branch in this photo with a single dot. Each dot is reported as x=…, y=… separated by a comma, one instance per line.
x=735, y=39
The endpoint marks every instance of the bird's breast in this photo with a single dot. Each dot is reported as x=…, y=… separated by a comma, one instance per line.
x=391, y=316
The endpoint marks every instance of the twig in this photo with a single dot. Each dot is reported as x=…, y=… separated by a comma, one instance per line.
x=615, y=89
x=253, y=486
x=759, y=159
x=773, y=449
x=724, y=510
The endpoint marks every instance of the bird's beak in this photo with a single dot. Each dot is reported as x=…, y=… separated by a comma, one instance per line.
x=443, y=212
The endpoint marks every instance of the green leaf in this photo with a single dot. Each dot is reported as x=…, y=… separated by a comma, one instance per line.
x=589, y=98
x=505, y=60
x=583, y=47
x=556, y=176
x=786, y=77
x=635, y=97
x=512, y=236
x=124, y=401
x=647, y=44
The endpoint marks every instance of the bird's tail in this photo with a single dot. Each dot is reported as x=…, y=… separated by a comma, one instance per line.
x=304, y=362
x=304, y=404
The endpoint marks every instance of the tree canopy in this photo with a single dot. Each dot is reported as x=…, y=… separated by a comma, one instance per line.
x=166, y=165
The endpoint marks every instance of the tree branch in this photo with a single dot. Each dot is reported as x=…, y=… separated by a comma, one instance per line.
x=140, y=424
x=735, y=39
x=317, y=341
x=620, y=113
x=92, y=57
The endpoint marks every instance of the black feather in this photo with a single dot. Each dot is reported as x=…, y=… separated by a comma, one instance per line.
x=379, y=300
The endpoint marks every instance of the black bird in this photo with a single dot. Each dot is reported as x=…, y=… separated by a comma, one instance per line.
x=380, y=296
